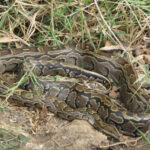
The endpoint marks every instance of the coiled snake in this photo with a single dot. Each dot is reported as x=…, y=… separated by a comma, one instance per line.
x=71, y=100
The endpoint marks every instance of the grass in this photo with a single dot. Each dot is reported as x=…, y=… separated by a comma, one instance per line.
x=10, y=140
x=143, y=135
x=89, y=22
x=56, y=23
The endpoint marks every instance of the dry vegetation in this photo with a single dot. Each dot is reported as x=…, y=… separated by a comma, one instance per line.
x=37, y=22
x=93, y=23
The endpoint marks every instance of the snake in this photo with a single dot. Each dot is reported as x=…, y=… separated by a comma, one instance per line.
x=72, y=100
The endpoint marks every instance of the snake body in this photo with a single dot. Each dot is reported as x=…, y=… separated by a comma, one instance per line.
x=71, y=100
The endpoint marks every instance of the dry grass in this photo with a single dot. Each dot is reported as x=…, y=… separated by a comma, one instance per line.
x=55, y=22
x=88, y=22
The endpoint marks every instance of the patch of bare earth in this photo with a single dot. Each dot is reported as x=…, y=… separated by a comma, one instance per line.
x=51, y=133
x=45, y=131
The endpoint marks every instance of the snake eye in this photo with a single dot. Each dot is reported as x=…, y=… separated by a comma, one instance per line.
x=50, y=67
x=104, y=81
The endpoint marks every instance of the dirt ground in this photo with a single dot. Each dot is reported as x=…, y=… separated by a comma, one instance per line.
x=53, y=133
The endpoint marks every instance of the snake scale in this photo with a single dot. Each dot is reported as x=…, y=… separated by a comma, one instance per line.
x=71, y=100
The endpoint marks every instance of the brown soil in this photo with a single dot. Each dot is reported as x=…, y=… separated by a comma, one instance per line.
x=46, y=131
